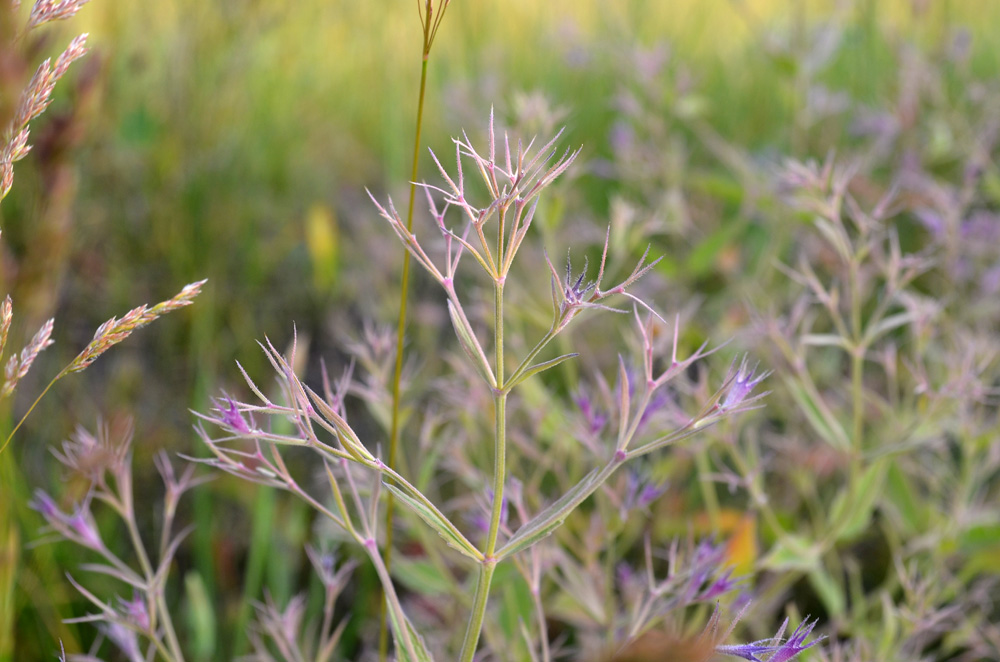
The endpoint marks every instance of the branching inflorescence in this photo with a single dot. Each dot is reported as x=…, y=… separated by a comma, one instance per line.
x=514, y=175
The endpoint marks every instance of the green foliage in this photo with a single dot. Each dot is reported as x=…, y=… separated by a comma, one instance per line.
x=231, y=141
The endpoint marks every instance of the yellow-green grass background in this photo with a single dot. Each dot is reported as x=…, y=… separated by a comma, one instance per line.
x=224, y=132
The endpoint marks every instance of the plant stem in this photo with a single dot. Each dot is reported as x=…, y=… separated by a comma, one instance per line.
x=500, y=415
x=31, y=409
x=153, y=584
x=404, y=287
x=389, y=593
x=526, y=362
x=707, y=487
x=478, y=611
x=488, y=564
x=857, y=362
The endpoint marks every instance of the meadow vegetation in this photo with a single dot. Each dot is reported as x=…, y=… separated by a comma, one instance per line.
x=722, y=382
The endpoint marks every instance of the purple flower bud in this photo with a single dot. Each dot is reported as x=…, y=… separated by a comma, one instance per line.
x=750, y=651
x=722, y=584
x=83, y=525
x=79, y=526
x=640, y=494
x=651, y=493
x=930, y=220
x=232, y=418
x=135, y=611
x=742, y=385
x=625, y=573
x=595, y=420
x=44, y=504
x=479, y=522
x=775, y=650
x=126, y=640
x=981, y=228
x=990, y=281
x=793, y=646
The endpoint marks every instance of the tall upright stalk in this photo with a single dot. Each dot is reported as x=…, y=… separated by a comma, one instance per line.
x=430, y=23
x=488, y=564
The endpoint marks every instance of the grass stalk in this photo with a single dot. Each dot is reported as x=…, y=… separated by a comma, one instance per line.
x=430, y=24
x=30, y=409
x=404, y=287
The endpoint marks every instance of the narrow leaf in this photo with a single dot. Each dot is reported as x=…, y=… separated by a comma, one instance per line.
x=540, y=367
x=824, y=340
x=623, y=403
x=828, y=591
x=866, y=492
x=905, y=502
x=888, y=324
x=547, y=521
x=439, y=523
x=470, y=344
x=793, y=552
x=420, y=652
x=820, y=417
x=835, y=235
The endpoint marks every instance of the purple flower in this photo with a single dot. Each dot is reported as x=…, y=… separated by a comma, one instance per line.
x=751, y=651
x=741, y=386
x=990, y=281
x=44, y=504
x=594, y=418
x=639, y=493
x=793, y=646
x=624, y=573
x=775, y=650
x=708, y=558
x=126, y=640
x=135, y=611
x=931, y=220
x=232, y=417
x=981, y=229
x=83, y=525
x=722, y=584
x=79, y=527
x=481, y=520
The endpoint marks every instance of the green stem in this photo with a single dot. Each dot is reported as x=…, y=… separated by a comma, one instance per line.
x=128, y=513
x=483, y=582
x=858, y=397
x=392, y=600
x=500, y=416
x=707, y=486
x=530, y=357
x=404, y=287
x=488, y=564
x=30, y=409
x=168, y=627
x=858, y=350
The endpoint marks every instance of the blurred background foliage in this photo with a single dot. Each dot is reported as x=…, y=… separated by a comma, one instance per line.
x=233, y=140
x=224, y=134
